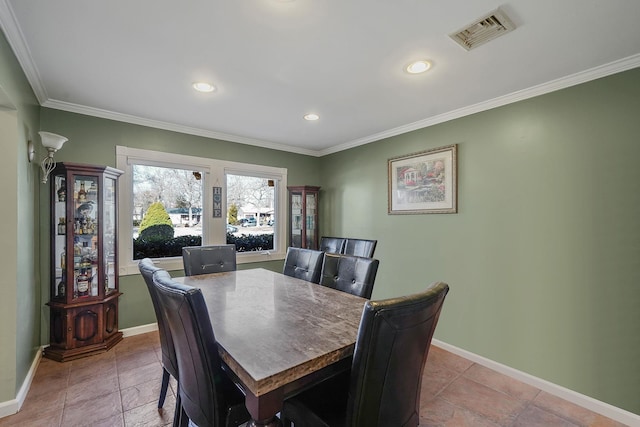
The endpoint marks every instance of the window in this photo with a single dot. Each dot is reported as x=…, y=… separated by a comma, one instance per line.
x=251, y=211
x=166, y=210
x=169, y=198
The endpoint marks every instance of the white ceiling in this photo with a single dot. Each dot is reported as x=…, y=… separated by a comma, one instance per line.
x=274, y=61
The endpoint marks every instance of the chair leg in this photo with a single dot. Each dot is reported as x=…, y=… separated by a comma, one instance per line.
x=178, y=414
x=163, y=388
x=184, y=419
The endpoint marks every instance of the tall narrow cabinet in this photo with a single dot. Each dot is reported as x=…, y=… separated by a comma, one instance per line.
x=84, y=264
x=303, y=216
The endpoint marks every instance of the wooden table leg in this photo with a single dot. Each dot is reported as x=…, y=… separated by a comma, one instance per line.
x=263, y=409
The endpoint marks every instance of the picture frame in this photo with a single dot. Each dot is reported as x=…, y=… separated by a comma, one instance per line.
x=424, y=182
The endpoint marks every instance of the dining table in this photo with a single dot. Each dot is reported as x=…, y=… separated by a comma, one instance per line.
x=278, y=335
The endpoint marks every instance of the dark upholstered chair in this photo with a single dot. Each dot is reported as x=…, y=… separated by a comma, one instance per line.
x=208, y=259
x=332, y=245
x=360, y=247
x=383, y=387
x=305, y=264
x=340, y=245
x=169, y=363
x=207, y=396
x=348, y=273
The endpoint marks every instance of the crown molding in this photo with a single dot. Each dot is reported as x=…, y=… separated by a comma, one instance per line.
x=16, y=40
x=127, y=118
x=541, y=89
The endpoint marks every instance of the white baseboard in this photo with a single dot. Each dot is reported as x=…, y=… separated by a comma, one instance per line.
x=12, y=406
x=9, y=407
x=137, y=330
x=594, y=405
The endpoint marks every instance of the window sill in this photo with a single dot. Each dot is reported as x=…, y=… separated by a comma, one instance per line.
x=173, y=264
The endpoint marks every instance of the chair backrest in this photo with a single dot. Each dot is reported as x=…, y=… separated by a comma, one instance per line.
x=196, y=351
x=305, y=264
x=360, y=247
x=332, y=245
x=391, y=350
x=147, y=269
x=208, y=259
x=348, y=273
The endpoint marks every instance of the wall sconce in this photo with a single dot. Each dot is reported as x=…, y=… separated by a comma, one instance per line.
x=52, y=142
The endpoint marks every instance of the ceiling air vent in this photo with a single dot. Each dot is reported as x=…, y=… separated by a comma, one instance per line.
x=486, y=28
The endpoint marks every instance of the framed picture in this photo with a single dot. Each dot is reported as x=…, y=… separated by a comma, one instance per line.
x=424, y=182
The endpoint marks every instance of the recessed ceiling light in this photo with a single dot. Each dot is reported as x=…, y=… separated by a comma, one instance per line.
x=311, y=117
x=204, y=87
x=418, y=67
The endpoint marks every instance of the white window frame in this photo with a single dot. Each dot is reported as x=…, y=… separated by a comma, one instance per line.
x=213, y=229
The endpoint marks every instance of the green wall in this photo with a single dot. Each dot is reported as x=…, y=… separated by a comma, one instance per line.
x=543, y=256
x=20, y=302
x=93, y=140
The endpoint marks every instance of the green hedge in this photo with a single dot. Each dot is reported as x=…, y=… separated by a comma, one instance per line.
x=251, y=242
x=161, y=248
x=157, y=232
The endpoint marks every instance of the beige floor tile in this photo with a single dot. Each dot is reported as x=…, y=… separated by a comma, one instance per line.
x=148, y=415
x=572, y=412
x=116, y=420
x=501, y=382
x=45, y=401
x=142, y=394
x=494, y=405
x=91, y=389
x=140, y=374
x=88, y=371
x=90, y=412
x=434, y=379
x=448, y=360
x=536, y=417
x=129, y=361
x=34, y=418
x=121, y=387
x=440, y=413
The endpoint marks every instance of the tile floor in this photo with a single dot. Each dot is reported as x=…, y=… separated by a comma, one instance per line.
x=124, y=392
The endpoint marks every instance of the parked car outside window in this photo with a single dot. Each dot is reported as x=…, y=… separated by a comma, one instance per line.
x=249, y=222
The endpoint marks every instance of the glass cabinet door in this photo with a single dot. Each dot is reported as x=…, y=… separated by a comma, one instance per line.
x=85, y=236
x=109, y=236
x=311, y=220
x=296, y=219
x=303, y=211
x=59, y=238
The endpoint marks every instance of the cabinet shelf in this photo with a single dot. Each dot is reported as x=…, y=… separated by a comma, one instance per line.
x=79, y=302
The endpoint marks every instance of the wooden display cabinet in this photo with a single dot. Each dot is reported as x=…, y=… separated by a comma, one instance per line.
x=303, y=214
x=84, y=281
